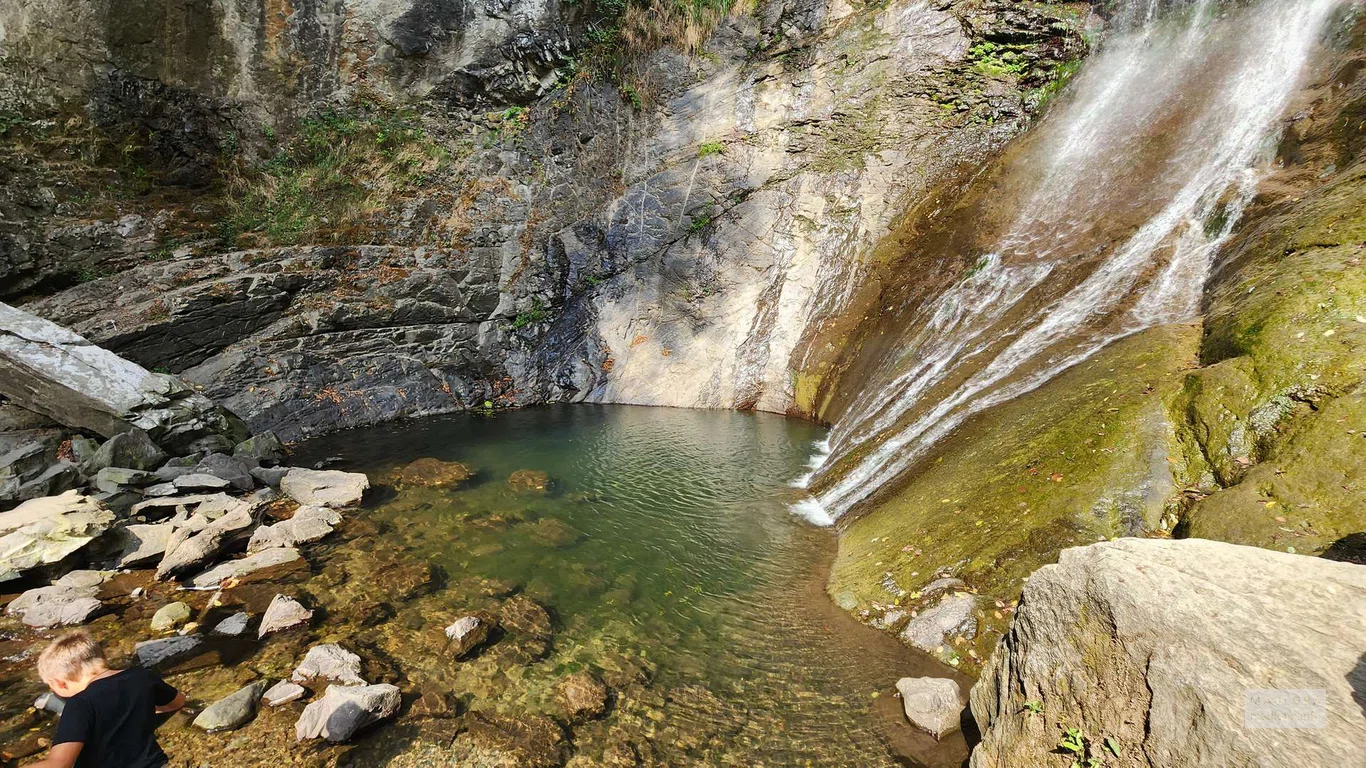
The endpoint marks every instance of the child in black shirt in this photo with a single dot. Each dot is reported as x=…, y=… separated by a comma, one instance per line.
x=110, y=715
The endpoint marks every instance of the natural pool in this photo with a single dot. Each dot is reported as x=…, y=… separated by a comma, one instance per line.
x=670, y=566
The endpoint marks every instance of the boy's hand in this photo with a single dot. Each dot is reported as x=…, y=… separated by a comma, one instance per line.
x=174, y=706
x=61, y=755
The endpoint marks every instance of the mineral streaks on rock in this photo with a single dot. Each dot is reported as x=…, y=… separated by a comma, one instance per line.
x=1156, y=645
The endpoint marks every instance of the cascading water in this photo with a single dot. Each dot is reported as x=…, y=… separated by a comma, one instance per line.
x=1130, y=188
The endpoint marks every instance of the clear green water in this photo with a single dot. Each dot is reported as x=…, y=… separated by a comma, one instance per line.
x=666, y=554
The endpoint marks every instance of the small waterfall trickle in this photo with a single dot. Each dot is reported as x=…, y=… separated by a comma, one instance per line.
x=1130, y=189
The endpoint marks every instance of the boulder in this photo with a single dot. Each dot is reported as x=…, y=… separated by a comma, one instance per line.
x=170, y=617
x=234, y=471
x=330, y=662
x=160, y=490
x=47, y=530
x=52, y=480
x=132, y=449
x=283, y=613
x=166, y=651
x=196, y=542
x=270, y=476
x=232, y=711
x=143, y=544
x=432, y=473
x=24, y=460
x=932, y=704
x=262, y=448
x=584, y=697
x=244, y=567
x=51, y=371
x=233, y=626
x=526, y=741
x=532, y=480
x=953, y=616
x=58, y=605
x=1181, y=653
x=324, y=488
x=283, y=692
x=467, y=633
x=115, y=479
x=307, y=524
x=199, y=481
x=344, y=710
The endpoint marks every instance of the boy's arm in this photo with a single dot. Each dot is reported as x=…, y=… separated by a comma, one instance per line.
x=60, y=756
x=174, y=706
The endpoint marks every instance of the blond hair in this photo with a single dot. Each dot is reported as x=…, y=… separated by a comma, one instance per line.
x=70, y=657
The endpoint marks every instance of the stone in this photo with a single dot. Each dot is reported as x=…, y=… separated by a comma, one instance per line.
x=467, y=633
x=48, y=530
x=531, y=480
x=24, y=463
x=57, y=605
x=330, y=662
x=235, y=471
x=282, y=613
x=49, y=370
x=200, y=481
x=344, y=710
x=84, y=450
x=191, y=545
x=160, y=490
x=54, y=479
x=525, y=741
x=170, y=617
x=584, y=697
x=282, y=693
x=554, y=532
x=132, y=449
x=244, y=567
x=50, y=702
x=233, y=626
x=1157, y=645
x=143, y=544
x=324, y=488
x=270, y=476
x=115, y=479
x=166, y=651
x=953, y=616
x=932, y=704
x=308, y=524
x=432, y=473
x=263, y=447
x=83, y=578
x=232, y=711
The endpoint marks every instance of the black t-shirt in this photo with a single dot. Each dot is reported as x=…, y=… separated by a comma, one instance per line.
x=115, y=718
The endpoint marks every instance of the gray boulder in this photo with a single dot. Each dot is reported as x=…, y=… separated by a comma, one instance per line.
x=308, y=524
x=270, y=476
x=57, y=605
x=132, y=449
x=264, y=448
x=24, y=460
x=196, y=542
x=47, y=530
x=116, y=479
x=166, y=651
x=235, y=472
x=330, y=662
x=282, y=613
x=1181, y=652
x=143, y=544
x=49, y=370
x=199, y=481
x=245, y=566
x=170, y=617
x=232, y=711
x=953, y=616
x=324, y=487
x=233, y=626
x=282, y=693
x=932, y=704
x=344, y=710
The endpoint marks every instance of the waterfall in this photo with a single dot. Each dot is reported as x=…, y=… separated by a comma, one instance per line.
x=1129, y=188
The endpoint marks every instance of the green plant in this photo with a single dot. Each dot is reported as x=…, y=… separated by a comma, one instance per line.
x=632, y=95
x=531, y=316
x=709, y=148
x=1034, y=707
x=1076, y=743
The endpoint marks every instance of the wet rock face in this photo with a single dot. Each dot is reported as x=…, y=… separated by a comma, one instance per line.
x=1156, y=645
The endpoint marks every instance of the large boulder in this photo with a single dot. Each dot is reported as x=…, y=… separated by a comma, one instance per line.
x=47, y=530
x=56, y=605
x=232, y=711
x=244, y=567
x=344, y=710
x=201, y=539
x=1181, y=654
x=49, y=370
x=282, y=613
x=308, y=524
x=324, y=487
x=132, y=449
x=932, y=704
x=330, y=662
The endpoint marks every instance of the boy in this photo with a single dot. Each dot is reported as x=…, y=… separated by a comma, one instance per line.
x=110, y=716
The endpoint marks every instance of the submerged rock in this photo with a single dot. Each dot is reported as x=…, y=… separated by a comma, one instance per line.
x=467, y=634
x=1162, y=646
x=528, y=741
x=532, y=480
x=244, y=567
x=232, y=626
x=554, y=532
x=324, y=488
x=529, y=630
x=170, y=616
x=283, y=613
x=167, y=650
x=282, y=693
x=954, y=616
x=232, y=711
x=47, y=530
x=932, y=704
x=344, y=710
x=308, y=524
x=432, y=473
x=330, y=662
x=584, y=696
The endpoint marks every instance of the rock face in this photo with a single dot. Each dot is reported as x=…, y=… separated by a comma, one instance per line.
x=932, y=704
x=47, y=369
x=344, y=710
x=233, y=711
x=324, y=488
x=1161, y=645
